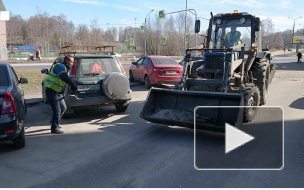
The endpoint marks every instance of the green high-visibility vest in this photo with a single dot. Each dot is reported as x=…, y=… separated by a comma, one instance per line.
x=54, y=82
x=235, y=34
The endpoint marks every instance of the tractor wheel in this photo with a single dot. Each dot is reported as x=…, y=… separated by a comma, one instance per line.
x=131, y=77
x=260, y=71
x=251, y=96
x=148, y=85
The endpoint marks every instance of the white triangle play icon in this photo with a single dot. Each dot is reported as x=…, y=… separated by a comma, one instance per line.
x=235, y=138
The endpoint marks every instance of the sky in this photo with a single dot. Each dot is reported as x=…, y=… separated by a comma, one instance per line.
x=133, y=12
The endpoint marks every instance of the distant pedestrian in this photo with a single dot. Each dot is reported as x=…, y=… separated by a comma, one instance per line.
x=299, y=54
x=38, y=55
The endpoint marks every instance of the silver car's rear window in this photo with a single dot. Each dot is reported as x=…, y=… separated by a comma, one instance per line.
x=103, y=66
x=3, y=76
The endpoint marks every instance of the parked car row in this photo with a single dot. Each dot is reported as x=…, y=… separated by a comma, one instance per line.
x=101, y=81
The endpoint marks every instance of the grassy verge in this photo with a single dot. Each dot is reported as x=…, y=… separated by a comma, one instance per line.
x=288, y=55
x=34, y=78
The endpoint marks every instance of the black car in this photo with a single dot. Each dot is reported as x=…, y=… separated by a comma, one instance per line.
x=12, y=106
x=101, y=81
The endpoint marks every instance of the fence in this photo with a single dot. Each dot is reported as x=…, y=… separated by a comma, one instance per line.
x=26, y=54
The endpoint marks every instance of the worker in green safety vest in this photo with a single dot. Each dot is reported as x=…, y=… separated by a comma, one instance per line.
x=233, y=37
x=54, y=87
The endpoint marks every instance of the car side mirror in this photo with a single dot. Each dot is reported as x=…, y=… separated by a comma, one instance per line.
x=45, y=71
x=134, y=63
x=197, y=27
x=257, y=24
x=23, y=80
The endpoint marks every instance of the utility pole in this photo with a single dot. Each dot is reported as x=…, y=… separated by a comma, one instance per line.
x=294, y=22
x=145, y=32
x=108, y=34
x=134, y=46
x=186, y=23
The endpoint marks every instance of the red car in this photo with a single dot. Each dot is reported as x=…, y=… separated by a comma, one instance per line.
x=156, y=70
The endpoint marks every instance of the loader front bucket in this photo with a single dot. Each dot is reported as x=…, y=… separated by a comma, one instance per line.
x=176, y=107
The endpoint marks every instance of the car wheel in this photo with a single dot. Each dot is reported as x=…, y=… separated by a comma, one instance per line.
x=131, y=77
x=44, y=98
x=19, y=141
x=121, y=107
x=148, y=85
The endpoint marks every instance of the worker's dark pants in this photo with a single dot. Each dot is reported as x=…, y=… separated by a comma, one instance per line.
x=58, y=105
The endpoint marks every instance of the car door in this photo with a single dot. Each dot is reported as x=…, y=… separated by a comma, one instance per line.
x=144, y=68
x=18, y=94
x=135, y=69
x=4, y=83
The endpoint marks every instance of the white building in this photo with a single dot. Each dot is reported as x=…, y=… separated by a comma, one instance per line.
x=3, y=48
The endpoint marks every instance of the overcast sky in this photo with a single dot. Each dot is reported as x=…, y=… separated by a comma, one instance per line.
x=124, y=12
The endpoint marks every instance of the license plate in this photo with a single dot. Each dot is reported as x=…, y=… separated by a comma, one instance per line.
x=3, y=136
x=88, y=87
x=170, y=72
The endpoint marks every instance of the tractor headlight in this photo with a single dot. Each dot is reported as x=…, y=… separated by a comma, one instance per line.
x=242, y=20
x=254, y=46
x=218, y=21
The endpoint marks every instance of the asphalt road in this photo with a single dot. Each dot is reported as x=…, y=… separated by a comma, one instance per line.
x=103, y=148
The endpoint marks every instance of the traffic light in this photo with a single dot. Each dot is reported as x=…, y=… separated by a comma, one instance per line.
x=142, y=28
x=131, y=41
x=161, y=14
x=164, y=40
x=187, y=38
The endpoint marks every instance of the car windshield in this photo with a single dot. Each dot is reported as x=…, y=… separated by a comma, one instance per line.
x=224, y=34
x=164, y=62
x=3, y=76
x=97, y=66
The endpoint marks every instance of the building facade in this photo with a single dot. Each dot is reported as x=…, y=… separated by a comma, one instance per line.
x=3, y=48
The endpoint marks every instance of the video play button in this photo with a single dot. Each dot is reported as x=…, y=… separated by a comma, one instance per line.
x=256, y=145
x=235, y=138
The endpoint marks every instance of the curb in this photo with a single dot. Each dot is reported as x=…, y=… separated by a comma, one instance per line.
x=30, y=102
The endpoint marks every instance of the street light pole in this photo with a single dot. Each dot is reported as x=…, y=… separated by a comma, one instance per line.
x=186, y=21
x=134, y=38
x=294, y=22
x=145, y=31
x=303, y=28
x=195, y=20
x=108, y=34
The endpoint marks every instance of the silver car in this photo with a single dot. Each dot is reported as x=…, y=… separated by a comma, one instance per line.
x=101, y=81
